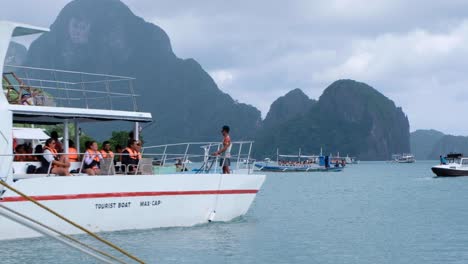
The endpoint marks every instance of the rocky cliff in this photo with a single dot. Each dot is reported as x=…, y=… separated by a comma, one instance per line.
x=106, y=37
x=350, y=117
x=16, y=54
x=423, y=143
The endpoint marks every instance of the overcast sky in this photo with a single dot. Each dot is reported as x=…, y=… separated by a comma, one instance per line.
x=415, y=52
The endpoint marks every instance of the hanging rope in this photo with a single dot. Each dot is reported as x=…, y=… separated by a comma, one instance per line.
x=72, y=223
x=60, y=233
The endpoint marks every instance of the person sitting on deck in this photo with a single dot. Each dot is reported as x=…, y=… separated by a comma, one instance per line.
x=38, y=150
x=106, y=151
x=72, y=152
x=51, y=159
x=131, y=155
x=29, y=150
x=58, y=144
x=118, y=150
x=92, y=159
x=20, y=152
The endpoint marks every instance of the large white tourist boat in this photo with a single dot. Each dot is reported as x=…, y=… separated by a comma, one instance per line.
x=149, y=198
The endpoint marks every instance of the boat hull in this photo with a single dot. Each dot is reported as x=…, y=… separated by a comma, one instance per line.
x=112, y=203
x=449, y=172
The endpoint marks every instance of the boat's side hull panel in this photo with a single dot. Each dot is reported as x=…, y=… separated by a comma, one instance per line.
x=111, y=203
x=447, y=172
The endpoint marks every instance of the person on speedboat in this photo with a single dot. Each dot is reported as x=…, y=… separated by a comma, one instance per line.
x=51, y=159
x=92, y=159
x=443, y=160
x=225, y=162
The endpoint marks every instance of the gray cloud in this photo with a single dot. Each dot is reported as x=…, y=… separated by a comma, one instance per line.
x=412, y=51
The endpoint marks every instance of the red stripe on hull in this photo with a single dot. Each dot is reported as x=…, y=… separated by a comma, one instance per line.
x=124, y=194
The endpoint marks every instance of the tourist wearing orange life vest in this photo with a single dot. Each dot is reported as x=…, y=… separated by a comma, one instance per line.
x=92, y=159
x=58, y=145
x=58, y=164
x=72, y=152
x=131, y=155
x=106, y=151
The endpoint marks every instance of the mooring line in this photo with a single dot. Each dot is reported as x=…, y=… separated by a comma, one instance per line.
x=60, y=233
x=72, y=223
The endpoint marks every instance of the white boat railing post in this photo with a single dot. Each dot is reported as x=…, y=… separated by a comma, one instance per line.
x=216, y=160
x=109, y=97
x=66, y=137
x=83, y=88
x=185, y=157
x=163, y=158
x=136, y=131
x=77, y=136
x=239, y=155
x=248, y=157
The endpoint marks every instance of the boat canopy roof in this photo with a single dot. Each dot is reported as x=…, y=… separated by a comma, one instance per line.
x=21, y=29
x=29, y=133
x=454, y=155
x=56, y=115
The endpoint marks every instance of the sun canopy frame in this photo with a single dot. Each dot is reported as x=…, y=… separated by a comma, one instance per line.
x=56, y=115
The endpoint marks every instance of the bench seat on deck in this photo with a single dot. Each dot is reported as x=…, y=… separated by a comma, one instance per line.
x=19, y=167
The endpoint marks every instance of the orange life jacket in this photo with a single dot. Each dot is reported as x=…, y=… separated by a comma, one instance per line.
x=72, y=154
x=133, y=153
x=107, y=155
x=96, y=154
x=54, y=153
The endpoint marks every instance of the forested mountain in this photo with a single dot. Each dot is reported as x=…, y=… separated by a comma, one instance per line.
x=423, y=142
x=16, y=54
x=106, y=37
x=350, y=117
x=430, y=144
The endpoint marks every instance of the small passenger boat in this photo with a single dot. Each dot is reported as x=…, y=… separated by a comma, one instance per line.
x=452, y=165
x=403, y=158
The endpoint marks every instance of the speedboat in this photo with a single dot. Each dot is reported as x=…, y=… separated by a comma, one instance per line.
x=114, y=201
x=452, y=166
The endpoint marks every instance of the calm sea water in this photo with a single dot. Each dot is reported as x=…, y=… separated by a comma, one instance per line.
x=369, y=213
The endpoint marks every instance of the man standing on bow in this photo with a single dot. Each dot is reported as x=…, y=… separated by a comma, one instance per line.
x=225, y=161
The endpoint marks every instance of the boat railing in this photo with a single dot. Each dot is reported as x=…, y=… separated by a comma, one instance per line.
x=61, y=88
x=158, y=156
x=202, y=152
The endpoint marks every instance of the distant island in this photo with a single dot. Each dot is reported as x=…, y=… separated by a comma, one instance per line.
x=104, y=36
x=350, y=117
x=430, y=144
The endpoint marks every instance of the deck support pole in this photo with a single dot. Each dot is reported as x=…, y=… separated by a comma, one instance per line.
x=66, y=136
x=77, y=136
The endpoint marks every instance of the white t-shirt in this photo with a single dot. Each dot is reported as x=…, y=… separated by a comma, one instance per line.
x=48, y=155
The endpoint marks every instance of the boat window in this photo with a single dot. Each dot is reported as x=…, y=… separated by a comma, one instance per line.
x=464, y=161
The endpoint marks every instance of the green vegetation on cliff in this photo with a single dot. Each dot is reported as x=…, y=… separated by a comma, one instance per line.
x=106, y=37
x=350, y=117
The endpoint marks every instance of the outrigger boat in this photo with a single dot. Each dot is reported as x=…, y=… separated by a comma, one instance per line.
x=300, y=163
x=452, y=166
x=107, y=202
